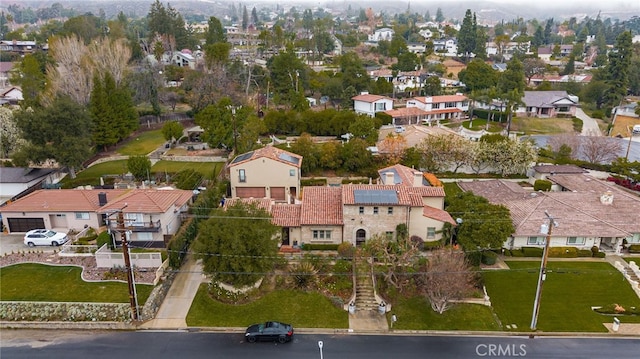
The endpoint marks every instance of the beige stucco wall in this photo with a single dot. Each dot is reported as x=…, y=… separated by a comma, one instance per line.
x=435, y=202
x=418, y=225
x=306, y=234
x=69, y=220
x=265, y=172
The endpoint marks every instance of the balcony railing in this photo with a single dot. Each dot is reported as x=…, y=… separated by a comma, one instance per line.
x=149, y=226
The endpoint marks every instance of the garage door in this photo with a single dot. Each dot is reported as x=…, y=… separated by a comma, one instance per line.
x=248, y=192
x=24, y=224
x=277, y=193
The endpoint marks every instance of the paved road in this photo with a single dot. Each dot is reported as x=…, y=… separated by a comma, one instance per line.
x=160, y=345
x=589, y=125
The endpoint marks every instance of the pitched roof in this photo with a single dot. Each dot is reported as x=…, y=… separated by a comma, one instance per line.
x=379, y=194
x=23, y=174
x=437, y=214
x=148, y=201
x=580, y=213
x=558, y=169
x=441, y=99
x=286, y=215
x=406, y=112
x=270, y=152
x=402, y=175
x=369, y=98
x=62, y=200
x=544, y=98
x=322, y=206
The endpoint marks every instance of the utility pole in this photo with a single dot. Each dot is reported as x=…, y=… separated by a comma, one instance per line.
x=133, y=300
x=545, y=229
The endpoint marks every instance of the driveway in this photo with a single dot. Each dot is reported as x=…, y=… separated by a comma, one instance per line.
x=14, y=243
x=589, y=125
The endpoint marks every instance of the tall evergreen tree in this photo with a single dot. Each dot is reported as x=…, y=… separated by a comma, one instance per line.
x=618, y=68
x=547, y=31
x=467, y=36
x=245, y=18
x=439, y=15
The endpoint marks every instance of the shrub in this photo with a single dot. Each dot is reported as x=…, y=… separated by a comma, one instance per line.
x=418, y=242
x=542, y=185
x=506, y=252
x=634, y=248
x=313, y=182
x=517, y=253
x=600, y=255
x=532, y=251
x=346, y=250
x=431, y=245
x=187, y=179
x=584, y=253
x=489, y=257
x=594, y=250
x=563, y=252
x=104, y=238
x=319, y=247
x=474, y=258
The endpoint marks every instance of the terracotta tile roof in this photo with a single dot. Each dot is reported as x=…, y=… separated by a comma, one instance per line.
x=271, y=152
x=441, y=99
x=406, y=112
x=437, y=214
x=369, y=98
x=286, y=215
x=403, y=175
x=579, y=213
x=321, y=205
x=62, y=200
x=148, y=201
x=406, y=196
x=414, y=134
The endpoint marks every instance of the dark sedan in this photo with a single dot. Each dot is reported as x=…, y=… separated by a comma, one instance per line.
x=269, y=331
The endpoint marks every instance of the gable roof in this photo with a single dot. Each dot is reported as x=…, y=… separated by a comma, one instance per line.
x=148, y=201
x=286, y=215
x=437, y=214
x=544, y=98
x=321, y=205
x=558, y=169
x=402, y=175
x=62, y=200
x=369, y=98
x=270, y=152
x=23, y=174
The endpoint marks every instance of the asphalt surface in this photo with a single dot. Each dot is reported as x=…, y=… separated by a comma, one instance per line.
x=14, y=243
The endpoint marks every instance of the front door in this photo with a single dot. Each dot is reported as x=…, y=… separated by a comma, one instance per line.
x=361, y=237
x=285, y=236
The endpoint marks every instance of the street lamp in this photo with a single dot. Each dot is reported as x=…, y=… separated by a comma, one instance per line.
x=454, y=231
x=320, y=344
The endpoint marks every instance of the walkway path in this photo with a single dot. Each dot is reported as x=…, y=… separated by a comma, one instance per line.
x=589, y=125
x=173, y=311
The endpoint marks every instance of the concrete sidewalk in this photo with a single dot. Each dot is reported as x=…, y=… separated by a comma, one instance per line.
x=173, y=311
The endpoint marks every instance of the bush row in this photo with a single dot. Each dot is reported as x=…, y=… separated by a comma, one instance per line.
x=555, y=252
x=65, y=311
x=319, y=247
x=634, y=248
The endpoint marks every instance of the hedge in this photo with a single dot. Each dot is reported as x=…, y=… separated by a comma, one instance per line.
x=489, y=257
x=600, y=255
x=634, y=248
x=532, y=251
x=542, y=185
x=319, y=247
x=474, y=258
x=517, y=253
x=313, y=182
x=584, y=253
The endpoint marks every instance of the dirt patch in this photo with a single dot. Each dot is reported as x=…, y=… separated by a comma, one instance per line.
x=623, y=125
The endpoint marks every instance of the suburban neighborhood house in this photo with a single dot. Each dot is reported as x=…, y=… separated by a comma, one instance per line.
x=355, y=213
x=413, y=135
x=436, y=108
x=268, y=172
x=589, y=212
x=152, y=215
x=369, y=105
x=548, y=104
x=18, y=181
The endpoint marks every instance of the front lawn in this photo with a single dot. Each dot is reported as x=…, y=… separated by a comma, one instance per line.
x=300, y=309
x=569, y=292
x=208, y=169
x=91, y=175
x=416, y=314
x=44, y=283
x=145, y=143
x=542, y=126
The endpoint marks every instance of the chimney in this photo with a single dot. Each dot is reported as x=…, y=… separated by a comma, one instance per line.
x=102, y=199
x=607, y=198
x=389, y=178
x=417, y=179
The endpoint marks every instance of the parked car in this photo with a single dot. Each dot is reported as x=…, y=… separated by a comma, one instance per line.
x=269, y=331
x=44, y=237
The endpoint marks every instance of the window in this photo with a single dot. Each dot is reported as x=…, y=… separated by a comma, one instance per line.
x=390, y=210
x=321, y=234
x=389, y=235
x=535, y=240
x=431, y=232
x=575, y=240
x=143, y=236
x=380, y=106
x=361, y=210
x=375, y=210
x=82, y=215
x=634, y=239
x=242, y=176
x=292, y=173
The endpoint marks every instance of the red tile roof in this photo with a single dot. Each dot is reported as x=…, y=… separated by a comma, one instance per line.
x=321, y=205
x=273, y=153
x=437, y=214
x=286, y=215
x=149, y=201
x=407, y=196
x=369, y=98
x=406, y=112
x=441, y=99
x=62, y=200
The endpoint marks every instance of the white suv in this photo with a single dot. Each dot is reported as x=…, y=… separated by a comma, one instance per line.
x=44, y=237
x=636, y=129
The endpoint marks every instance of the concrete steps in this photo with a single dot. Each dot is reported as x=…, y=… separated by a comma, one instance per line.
x=365, y=297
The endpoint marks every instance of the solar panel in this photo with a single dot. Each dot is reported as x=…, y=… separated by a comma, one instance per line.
x=242, y=157
x=370, y=196
x=287, y=157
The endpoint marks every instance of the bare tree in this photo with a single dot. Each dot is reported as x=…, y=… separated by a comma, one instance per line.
x=395, y=257
x=392, y=147
x=447, y=277
x=599, y=149
x=568, y=139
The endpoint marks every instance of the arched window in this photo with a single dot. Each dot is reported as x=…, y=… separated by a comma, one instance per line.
x=361, y=236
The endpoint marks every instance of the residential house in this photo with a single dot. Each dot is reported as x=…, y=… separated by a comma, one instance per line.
x=184, y=59
x=417, y=48
x=589, y=212
x=16, y=182
x=384, y=34
x=447, y=47
x=547, y=104
x=573, y=78
x=17, y=46
x=413, y=134
x=356, y=213
x=446, y=107
x=542, y=172
x=268, y=172
x=152, y=215
x=369, y=105
x=12, y=95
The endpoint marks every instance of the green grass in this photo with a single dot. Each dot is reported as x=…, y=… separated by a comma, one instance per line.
x=208, y=169
x=91, y=175
x=143, y=144
x=541, y=126
x=569, y=292
x=416, y=314
x=479, y=124
x=451, y=189
x=632, y=259
x=300, y=309
x=44, y=283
